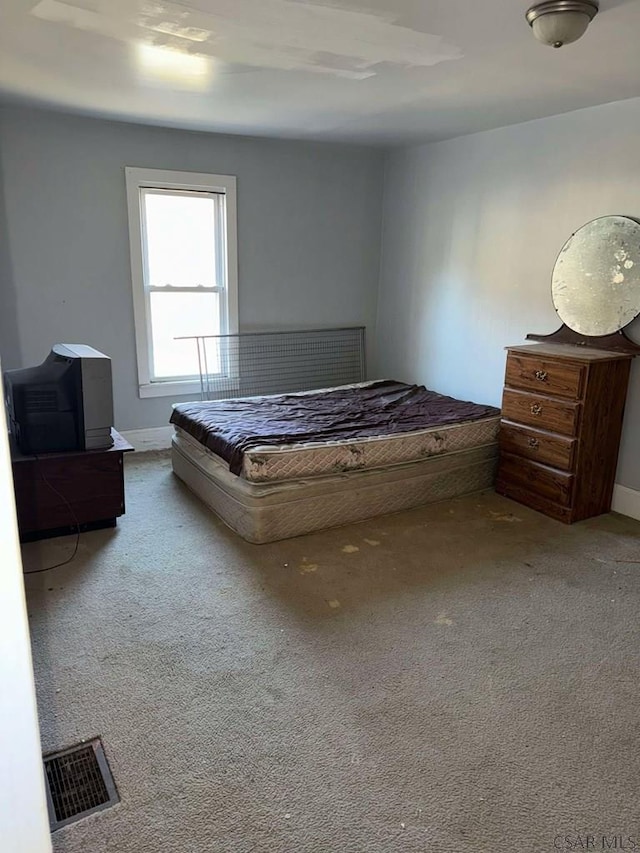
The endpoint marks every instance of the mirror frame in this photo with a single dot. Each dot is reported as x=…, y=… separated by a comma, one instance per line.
x=617, y=341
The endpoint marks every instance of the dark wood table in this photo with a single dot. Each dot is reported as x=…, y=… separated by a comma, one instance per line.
x=59, y=493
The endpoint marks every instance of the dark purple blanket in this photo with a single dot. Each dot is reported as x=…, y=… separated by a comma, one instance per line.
x=230, y=427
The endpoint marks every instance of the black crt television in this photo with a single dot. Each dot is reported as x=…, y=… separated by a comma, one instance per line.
x=65, y=403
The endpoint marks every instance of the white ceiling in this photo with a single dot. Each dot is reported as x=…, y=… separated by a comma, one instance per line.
x=374, y=71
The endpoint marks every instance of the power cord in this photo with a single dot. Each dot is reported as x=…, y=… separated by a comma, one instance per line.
x=75, y=519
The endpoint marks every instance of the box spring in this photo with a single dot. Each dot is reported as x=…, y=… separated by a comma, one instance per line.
x=267, y=512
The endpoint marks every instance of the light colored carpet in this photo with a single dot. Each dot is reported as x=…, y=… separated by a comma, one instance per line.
x=462, y=677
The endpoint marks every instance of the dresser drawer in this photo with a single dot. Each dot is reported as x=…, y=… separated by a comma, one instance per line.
x=556, y=378
x=541, y=412
x=554, y=450
x=554, y=485
x=524, y=496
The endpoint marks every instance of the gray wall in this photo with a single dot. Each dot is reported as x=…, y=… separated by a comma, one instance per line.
x=9, y=346
x=309, y=219
x=472, y=228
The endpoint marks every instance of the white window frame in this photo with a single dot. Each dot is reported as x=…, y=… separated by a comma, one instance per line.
x=137, y=179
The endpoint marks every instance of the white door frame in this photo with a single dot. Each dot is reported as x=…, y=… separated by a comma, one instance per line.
x=24, y=823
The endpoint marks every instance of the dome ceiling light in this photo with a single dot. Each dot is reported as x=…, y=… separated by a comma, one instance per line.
x=558, y=22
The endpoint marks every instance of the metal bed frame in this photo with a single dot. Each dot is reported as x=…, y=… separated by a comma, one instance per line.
x=251, y=364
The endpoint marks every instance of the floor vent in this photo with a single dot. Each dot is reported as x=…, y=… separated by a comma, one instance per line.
x=79, y=783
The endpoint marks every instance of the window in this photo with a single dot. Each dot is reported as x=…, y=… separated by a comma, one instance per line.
x=182, y=230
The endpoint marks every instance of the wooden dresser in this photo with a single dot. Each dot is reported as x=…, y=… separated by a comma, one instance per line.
x=562, y=412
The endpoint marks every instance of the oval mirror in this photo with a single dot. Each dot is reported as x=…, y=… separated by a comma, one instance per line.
x=596, y=280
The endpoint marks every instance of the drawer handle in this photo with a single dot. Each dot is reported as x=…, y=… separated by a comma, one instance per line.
x=536, y=409
x=533, y=442
x=541, y=375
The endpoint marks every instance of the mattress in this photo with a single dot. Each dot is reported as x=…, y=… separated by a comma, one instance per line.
x=384, y=422
x=271, y=463
x=267, y=512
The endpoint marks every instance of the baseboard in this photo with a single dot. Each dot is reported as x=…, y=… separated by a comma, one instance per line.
x=626, y=501
x=154, y=438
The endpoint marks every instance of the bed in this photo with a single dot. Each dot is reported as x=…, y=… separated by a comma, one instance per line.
x=279, y=466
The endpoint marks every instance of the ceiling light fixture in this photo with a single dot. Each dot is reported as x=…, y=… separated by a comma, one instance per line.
x=558, y=22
